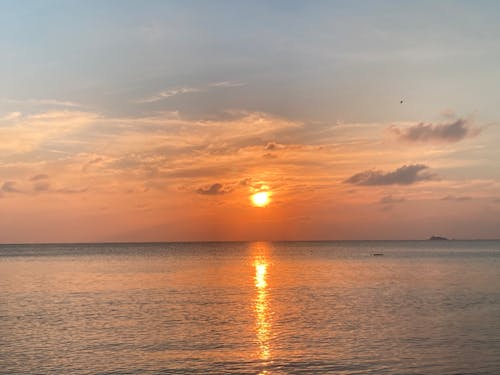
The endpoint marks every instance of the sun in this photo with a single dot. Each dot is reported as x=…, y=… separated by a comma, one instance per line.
x=260, y=199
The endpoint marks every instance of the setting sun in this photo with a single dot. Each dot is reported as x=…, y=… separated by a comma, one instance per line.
x=260, y=199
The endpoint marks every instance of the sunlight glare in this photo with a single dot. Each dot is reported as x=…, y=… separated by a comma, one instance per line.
x=261, y=199
x=261, y=308
x=260, y=275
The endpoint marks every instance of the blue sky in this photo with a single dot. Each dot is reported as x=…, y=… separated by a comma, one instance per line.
x=312, y=60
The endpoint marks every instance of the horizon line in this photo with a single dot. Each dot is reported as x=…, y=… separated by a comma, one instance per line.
x=239, y=241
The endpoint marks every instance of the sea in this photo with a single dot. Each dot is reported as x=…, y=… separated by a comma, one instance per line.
x=346, y=307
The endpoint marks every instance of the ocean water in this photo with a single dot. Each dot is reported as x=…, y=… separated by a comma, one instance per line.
x=424, y=307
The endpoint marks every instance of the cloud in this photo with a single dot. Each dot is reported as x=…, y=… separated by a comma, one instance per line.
x=9, y=187
x=215, y=189
x=272, y=146
x=91, y=162
x=246, y=181
x=45, y=131
x=11, y=116
x=227, y=84
x=405, y=175
x=40, y=182
x=42, y=185
x=167, y=94
x=455, y=198
x=269, y=156
x=68, y=190
x=439, y=133
x=49, y=102
x=389, y=199
x=39, y=177
x=199, y=172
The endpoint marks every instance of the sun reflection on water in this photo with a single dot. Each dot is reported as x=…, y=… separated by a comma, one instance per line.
x=263, y=325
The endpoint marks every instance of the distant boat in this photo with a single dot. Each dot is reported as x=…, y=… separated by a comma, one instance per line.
x=377, y=254
x=438, y=238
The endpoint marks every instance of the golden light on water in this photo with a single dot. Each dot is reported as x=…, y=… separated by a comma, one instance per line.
x=263, y=326
x=260, y=199
x=260, y=275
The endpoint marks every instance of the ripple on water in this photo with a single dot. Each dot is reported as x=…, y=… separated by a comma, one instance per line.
x=251, y=308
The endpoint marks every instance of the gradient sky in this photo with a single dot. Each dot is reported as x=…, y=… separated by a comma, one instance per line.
x=157, y=120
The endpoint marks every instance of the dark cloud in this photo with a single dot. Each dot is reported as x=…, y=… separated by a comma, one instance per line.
x=9, y=187
x=194, y=172
x=39, y=177
x=389, y=199
x=445, y=133
x=269, y=156
x=215, y=189
x=246, y=181
x=39, y=186
x=68, y=190
x=405, y=175
x=272, y=146
x=455, y=198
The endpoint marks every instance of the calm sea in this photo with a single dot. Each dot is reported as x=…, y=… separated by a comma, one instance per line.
x=423, y=307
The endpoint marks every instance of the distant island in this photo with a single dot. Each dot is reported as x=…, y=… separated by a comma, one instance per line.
x=437, y=238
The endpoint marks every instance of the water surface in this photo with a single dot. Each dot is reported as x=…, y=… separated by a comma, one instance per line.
x=427, y=307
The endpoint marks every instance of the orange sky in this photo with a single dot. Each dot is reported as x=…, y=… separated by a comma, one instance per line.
x=79, y=176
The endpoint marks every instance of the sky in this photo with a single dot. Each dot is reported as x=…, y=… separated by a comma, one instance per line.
x=158, y=120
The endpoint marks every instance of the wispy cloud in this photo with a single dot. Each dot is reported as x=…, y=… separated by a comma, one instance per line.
x=389, y=199
x=168, y=94
x=439, y=133
x=456, y=198
x=227, y=84
x=68, y=190
x=48, y=102
x=38, y=184
x=39, y=177
x=405, y=175
x=11, y=116
x=9, y=187
x=41, y=129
